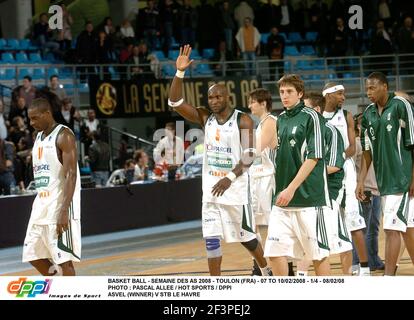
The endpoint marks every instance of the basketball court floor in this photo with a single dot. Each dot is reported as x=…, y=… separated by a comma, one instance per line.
x=170, y=250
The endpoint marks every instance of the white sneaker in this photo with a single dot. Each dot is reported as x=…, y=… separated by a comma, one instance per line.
x=364, y=272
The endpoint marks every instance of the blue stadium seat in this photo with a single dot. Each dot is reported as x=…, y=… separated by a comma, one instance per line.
x=39, y=73
x=174, y=43
x=282, y=34
x=173, y=54
x=3, y=43
x=168, y=70
x=13, y=44
x=24, y=44
x=21, y=57
x=25, y=72
x=311, y=36
x=264, y=36
x=52, y=71
x=291, y=51
x=10, y=74
x=195, y=54
x=295, y=37
x=204, y=69
x=159, y=54
x=287, y=66
x=35, y=57
x=208, y=53
x=304, y=64
x=307, y=50
x=7, y=57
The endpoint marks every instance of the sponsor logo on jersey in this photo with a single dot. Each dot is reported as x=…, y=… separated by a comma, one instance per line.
x=42, y=182
x=389, y=127
x=41, y=168
x=220, y=162
x=210, y=147
x=292, y=143
x=24, y=287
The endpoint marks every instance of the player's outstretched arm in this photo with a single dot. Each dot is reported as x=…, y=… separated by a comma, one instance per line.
x=175, y=99
x=67, y=145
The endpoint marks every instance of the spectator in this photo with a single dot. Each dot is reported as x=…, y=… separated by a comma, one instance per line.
x=170, y=149
x=248, y=39
x=99, y=157
x=42, y=35
x=127, y=32
x=3, y=127
x=384, y=13
x=19, y=130
x=286, y=15
x=275, y=48
x=340, y=39
x=20, y=110
x=104, y=49
x=6, y=167
x=65, y=35
x=69, y=114
x=141, y=165
x=406, y=36
x=91, y=123
x=168, y=17
x=122, y=176
x=207, y=32
x=228, y=25
x=222, y=55
x=243, y=11
x=187, y=19
x=108, y=27
x=140, y=60
x=27, y=90
x=86, y=46
x=149, y=18
x=381, y=45
x=269, y=16
x=56, y=87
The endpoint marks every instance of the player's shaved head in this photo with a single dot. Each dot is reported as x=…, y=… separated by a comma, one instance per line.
x=218, y=88
x=41, y=105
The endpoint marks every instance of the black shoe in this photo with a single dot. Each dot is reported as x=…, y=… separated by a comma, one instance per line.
x=291, y=271
x=256, y=270
x=380, y=267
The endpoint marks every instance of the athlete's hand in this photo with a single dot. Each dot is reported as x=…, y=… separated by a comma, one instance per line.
x=285, y=197
x=183, y=61
x=221, y=186
x=359, y=191
x=63, y=222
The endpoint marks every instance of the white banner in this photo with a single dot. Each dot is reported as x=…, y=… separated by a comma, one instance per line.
x=205, y=288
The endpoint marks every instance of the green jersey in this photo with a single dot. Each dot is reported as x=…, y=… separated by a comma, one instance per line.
x=301, y=136
x=335, y=157
x=389, y=136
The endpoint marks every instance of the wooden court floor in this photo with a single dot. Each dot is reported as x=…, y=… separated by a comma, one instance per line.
x=171, y=256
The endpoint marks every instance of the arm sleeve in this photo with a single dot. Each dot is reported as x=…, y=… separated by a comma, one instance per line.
x=405, y=113
x=314, y=137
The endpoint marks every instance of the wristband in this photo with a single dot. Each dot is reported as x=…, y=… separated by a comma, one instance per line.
x=231, y=176
x=176, y=103
x=180, y=74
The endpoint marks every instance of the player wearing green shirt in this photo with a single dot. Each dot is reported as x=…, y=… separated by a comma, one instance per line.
x=387, y=138
x=297, y=224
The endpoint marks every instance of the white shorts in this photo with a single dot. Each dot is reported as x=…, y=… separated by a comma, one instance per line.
x=298, y=234
x=398, y=211
x=353, y=211
x=42, y=242
x=261, y=192
x=338, y=235
x=231, y=223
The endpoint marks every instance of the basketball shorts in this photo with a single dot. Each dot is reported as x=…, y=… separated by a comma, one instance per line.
x=261, y=192
x=339, y=237
x=42, y=242
x=297, y=233
x=398, y=212
x=232, y=223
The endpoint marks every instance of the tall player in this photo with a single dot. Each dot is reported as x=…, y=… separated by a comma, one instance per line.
x=262, y=171
x=226, y=211
x=387, y=138
x=339, y=237
x=53, y=238
x=344, y=122
x=296, y=225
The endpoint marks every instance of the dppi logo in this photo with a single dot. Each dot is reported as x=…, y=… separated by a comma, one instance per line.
x=23, y=287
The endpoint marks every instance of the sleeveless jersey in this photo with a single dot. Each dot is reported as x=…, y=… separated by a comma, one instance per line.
x=49, y=179
x=263, y=165
x=338, y=120
x=222, y=152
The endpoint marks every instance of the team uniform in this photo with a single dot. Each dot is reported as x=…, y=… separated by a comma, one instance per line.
x=339, y=236
x=299, y=229
x=263, y=181
x=353, y=211
x=389, y=137
x=230, y=215
x=42, y=241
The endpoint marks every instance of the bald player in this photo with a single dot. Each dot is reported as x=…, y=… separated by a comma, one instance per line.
x=53, y=238
x=226, y=211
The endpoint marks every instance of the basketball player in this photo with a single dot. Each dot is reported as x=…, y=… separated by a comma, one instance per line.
x=387, y=138
x=339, y=237
x=53, y=238
x=344, y=122
x=296, y=224
x=226, y=211
x=262, y=169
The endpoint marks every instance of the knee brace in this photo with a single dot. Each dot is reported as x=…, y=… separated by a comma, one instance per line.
x=250, y=245
x=213, y=247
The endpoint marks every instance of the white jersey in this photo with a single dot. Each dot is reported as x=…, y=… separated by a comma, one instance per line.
x=49, y=179
x=222, y=152
x=338, y=120
x=263, y=165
